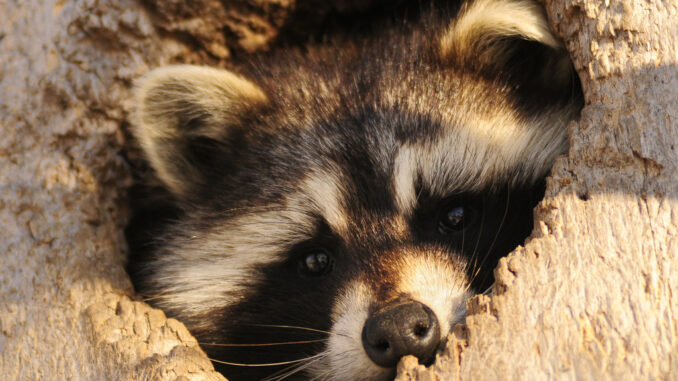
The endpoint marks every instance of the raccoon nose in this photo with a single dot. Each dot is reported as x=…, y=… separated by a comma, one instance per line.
x=400, y=329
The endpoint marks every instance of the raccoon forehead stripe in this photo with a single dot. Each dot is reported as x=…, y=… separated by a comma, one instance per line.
x=404, y=176
x=489, y=151
x=325, y=194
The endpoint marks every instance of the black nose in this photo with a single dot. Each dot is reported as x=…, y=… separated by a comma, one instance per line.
x=403, y=328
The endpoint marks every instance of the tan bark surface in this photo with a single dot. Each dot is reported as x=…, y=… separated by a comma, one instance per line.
x=592, y=296
x=65, y=307
x=65, y=310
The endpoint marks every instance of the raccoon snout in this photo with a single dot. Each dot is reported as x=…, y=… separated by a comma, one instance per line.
x=400, y=329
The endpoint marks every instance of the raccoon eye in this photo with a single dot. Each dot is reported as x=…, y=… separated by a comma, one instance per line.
x=316, y=263
x=456, y=218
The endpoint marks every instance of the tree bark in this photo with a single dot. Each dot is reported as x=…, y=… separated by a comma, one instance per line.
x=592, y=294
x=65, y=307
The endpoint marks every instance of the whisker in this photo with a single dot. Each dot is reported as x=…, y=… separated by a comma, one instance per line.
x=463, y=236
x=322, y=376
x=296, y=327
x=476, y=267
x=476, y=272
x=286, y=372
x=501, y=225
x=267, y=208
x=328, y=372
x=265, y=344
x=301, y=328
x=266, y=364
x=151, y=298
x=475, y=248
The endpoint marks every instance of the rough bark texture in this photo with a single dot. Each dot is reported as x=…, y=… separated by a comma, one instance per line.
x=592, y=295
x=65, y=308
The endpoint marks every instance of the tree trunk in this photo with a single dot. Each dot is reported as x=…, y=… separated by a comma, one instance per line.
x=592, y=294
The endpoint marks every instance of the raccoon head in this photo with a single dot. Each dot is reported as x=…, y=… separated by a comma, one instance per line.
x=340, y=205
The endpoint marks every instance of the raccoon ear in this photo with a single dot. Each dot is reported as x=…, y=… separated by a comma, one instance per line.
x=511, y=37
x=182, y=112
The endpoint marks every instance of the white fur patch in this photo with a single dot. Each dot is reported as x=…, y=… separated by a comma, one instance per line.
x=404, y=176
x=346, y=359
x=437, y=283
x=325, y=192
x=479, y=153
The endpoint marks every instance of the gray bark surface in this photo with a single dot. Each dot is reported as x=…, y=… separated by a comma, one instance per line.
x=592, y=295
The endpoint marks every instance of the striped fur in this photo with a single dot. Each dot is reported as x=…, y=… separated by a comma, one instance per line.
x=359, y=153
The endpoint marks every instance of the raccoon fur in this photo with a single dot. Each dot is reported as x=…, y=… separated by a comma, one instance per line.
x=334, y=207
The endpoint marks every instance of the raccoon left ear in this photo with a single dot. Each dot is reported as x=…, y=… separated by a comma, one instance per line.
x=490, y=36
x=185, y=111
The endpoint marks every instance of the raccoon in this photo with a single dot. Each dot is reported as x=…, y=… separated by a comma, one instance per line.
x=333, y=207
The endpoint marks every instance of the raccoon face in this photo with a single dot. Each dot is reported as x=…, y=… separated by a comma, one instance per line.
x=337, y=208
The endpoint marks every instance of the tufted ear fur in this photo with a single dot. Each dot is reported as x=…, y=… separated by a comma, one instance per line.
x=184, y=110
x=511, y=39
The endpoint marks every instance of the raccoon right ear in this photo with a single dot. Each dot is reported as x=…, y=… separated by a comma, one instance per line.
x=180, y=109
x=511, y=37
